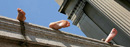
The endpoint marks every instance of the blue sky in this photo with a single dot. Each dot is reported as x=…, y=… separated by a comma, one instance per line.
x=40, y=12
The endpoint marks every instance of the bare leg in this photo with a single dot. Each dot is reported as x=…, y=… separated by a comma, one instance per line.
x=21, y=15
x=111, y=35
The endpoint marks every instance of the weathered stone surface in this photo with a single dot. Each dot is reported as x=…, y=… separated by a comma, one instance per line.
x=39, y=36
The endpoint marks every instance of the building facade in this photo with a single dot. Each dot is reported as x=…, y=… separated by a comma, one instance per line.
x=96, y=18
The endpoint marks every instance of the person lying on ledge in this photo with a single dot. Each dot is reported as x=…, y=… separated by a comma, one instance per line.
x=112, y=34
x=21, y=15
x=59, y=24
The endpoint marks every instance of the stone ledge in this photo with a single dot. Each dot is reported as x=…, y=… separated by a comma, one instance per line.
x=10, y=29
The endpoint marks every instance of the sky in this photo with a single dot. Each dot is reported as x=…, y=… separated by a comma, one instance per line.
x=40, y=12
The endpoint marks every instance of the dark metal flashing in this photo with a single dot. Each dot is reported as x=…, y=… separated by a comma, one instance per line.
x=23, y=44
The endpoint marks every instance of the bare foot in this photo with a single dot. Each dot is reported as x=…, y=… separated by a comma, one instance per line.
x=65, y=23
x=59, y=24
x=111, y=35
x=21, y=15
